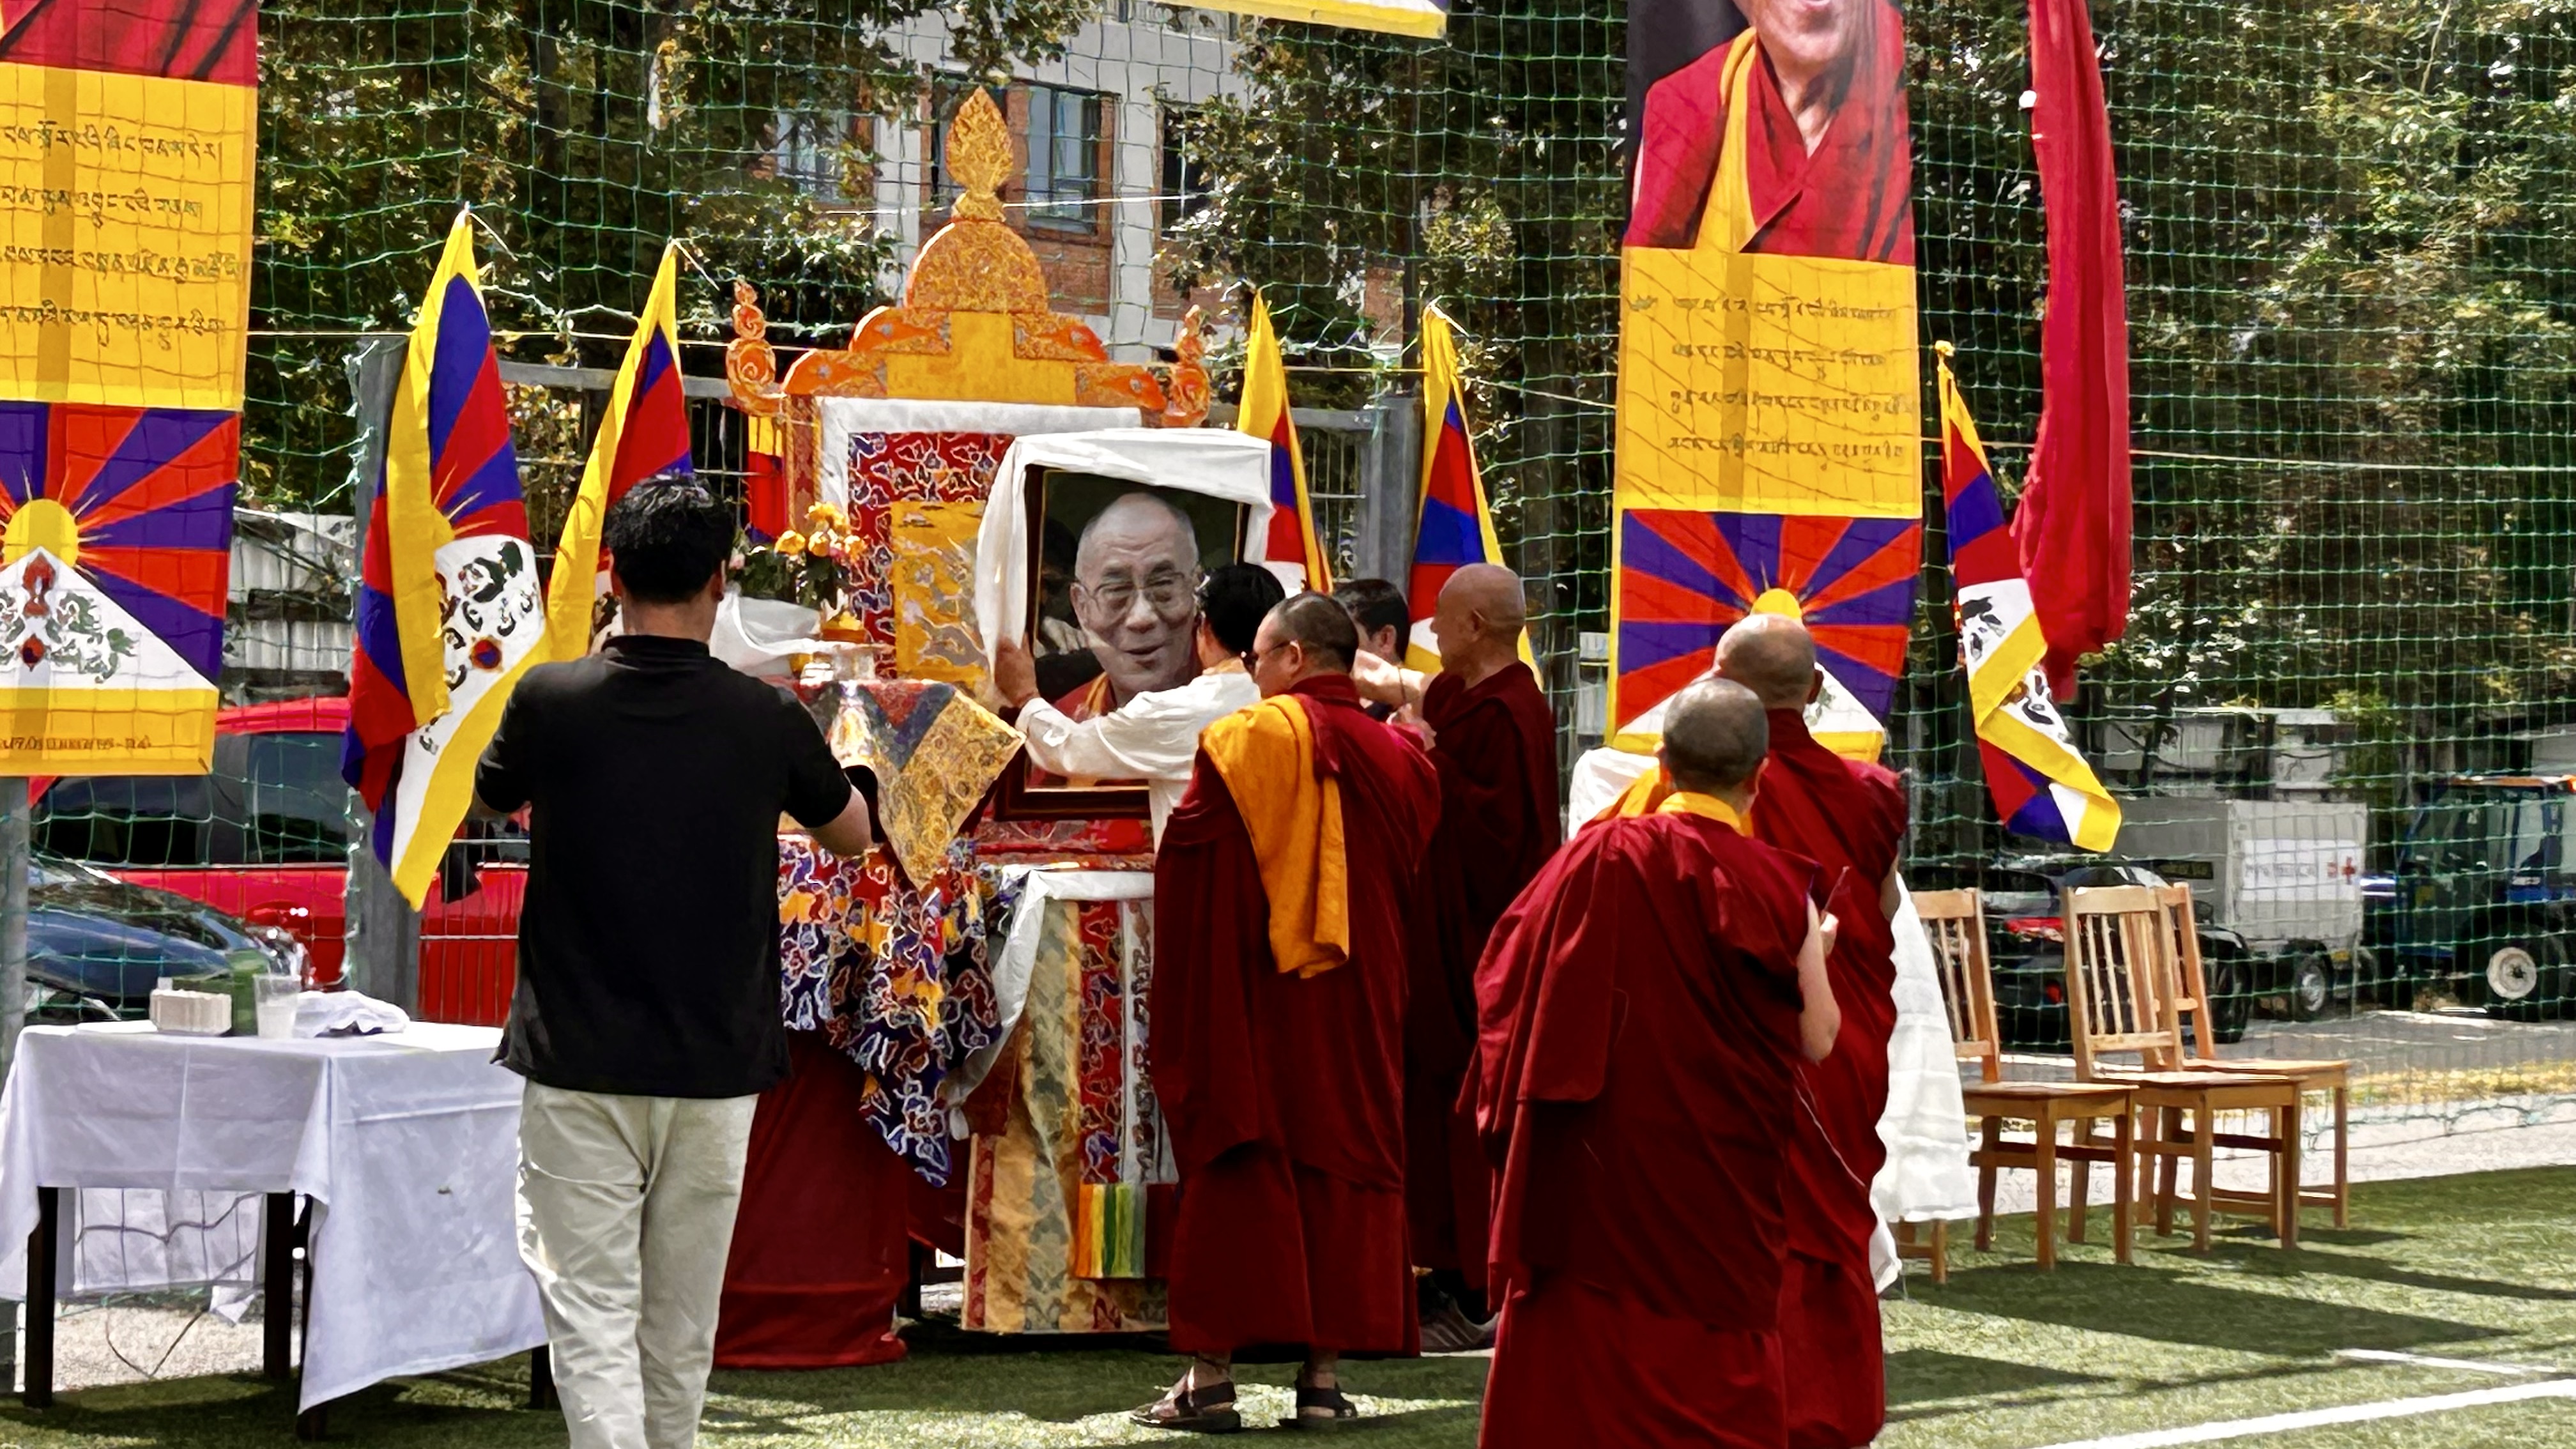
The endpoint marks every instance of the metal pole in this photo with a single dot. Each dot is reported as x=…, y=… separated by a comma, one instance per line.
x=14, y=862
x=383, y=958
x=1390, y=470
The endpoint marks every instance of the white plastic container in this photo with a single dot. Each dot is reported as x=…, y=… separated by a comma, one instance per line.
x=275, y=1002
x=192, y=1013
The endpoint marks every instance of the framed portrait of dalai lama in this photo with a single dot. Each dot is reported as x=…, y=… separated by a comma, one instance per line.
x=1114, y=566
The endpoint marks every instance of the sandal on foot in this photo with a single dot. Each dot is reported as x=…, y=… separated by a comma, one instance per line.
x=1208, y=1410
x=1321, y=1409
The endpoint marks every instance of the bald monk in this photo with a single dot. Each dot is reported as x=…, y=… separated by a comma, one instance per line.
x=1278, y=1008
x=1495, y=749
x=1641, y=1014
x=1849, y=818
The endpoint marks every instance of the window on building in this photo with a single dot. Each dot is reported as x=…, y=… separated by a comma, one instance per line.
x=1184, y=185
x=948, y=93
x=1064, y=156
x=813, y=155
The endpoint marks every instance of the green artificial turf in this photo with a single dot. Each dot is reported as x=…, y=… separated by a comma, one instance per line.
x=2478, y=1268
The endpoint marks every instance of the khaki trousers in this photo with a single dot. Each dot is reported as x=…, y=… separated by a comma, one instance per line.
x=626, y=1208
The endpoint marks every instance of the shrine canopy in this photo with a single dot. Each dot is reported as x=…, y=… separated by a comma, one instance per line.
x=1219, y=463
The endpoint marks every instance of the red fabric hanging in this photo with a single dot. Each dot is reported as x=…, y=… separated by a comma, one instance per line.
x=2072, y=525
x=821, y=1245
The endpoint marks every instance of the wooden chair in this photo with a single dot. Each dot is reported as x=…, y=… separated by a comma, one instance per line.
x=2121, y=999
x=2192, y=1003
x=1955, y=922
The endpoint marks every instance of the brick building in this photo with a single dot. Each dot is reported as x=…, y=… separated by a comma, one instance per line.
x=1098, y=178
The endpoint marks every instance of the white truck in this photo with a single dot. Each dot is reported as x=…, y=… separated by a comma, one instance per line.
x=2283, y=874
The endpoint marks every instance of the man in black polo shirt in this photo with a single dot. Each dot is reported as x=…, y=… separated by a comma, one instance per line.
x=647, y=1014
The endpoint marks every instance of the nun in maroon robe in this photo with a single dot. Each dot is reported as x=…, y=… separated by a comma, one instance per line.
x=1847, y=195
x=1641, y=1020
x=1849, y=817
x=1284, y=1085
x=1495, y=749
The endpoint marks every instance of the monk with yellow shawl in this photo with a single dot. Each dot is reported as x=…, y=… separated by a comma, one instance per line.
x=1278, y=1009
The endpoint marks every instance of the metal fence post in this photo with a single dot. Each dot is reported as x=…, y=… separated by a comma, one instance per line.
x=1390, y=480
x=383, y=952
x=15, y=857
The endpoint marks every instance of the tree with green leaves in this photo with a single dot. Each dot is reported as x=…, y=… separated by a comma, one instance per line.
x=587, y=132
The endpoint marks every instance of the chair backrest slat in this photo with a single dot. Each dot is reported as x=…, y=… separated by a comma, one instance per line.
x=2192, y=987
x=2121, y=991
x=1955, y=923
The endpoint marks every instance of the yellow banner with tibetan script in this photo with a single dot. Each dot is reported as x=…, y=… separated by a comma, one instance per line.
x=126, y=151
x=1770, y=455
x=125, y=259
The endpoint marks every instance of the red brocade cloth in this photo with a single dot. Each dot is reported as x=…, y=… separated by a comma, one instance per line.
x=1284, y=1093
x=820, y=1248
x=1495, y=751
x=1639, y=1013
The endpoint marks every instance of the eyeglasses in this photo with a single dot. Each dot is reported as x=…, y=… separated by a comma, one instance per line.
x=1257, y=655
x=1163, y=596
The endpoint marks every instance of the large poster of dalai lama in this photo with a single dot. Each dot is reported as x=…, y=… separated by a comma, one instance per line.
x=1769, y=453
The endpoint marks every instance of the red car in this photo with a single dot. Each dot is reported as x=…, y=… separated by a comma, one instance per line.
x=266, y=838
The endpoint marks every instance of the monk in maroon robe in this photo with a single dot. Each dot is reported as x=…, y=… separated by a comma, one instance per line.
x=1848, y=817
x=1278, y=1008
x=1642, y=1012
x=1829, y=161
x=1494, y=744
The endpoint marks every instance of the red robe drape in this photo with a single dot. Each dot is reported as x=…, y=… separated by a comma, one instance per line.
x=1495, y=750
x=1638, y=1022
x=1285, y=1093
x=1848, y=817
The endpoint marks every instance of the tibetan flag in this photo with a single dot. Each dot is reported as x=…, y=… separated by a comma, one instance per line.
x=1454, y=528
x=2041, y=785
x=119, y=525
x=1264, y=415
x=449, y=614
x=644, y=434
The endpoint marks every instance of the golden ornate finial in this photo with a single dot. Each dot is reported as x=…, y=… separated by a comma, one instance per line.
x=751, y=364
x=979, y=157
x=1186, y=394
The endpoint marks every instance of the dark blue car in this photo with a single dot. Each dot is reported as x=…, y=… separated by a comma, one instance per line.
x=96, y=945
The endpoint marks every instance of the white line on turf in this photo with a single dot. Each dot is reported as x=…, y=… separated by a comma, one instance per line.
x=2320, y=1418
x=2418, y=1360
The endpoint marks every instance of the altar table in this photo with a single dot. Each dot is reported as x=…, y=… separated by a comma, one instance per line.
x=406, y=1146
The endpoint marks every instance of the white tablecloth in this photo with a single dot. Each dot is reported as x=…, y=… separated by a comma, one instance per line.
x=407, y=1144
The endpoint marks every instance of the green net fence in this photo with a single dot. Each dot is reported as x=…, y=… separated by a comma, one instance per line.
x=2351, y=279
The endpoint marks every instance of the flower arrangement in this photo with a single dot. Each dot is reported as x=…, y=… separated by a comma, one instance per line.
x=812, y=568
